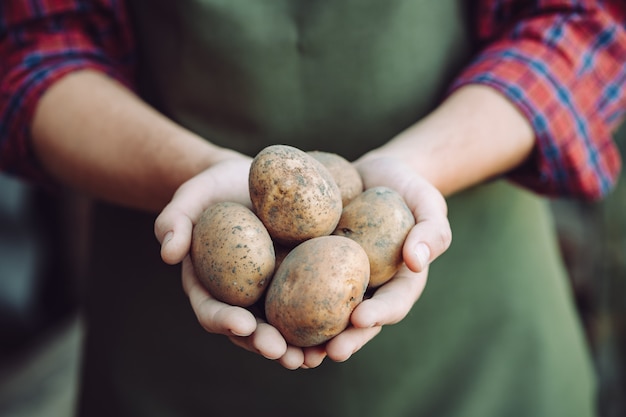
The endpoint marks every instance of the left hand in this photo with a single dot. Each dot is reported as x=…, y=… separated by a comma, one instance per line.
x=428, y=239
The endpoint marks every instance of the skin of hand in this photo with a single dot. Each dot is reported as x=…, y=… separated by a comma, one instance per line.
x=488, y=137
x=429, y=238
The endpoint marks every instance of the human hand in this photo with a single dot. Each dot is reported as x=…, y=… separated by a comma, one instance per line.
x=224, y=181
x=428, y=239
x=390, y=303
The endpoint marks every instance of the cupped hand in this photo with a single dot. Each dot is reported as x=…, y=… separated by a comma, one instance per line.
x=224, y=181
x=391, y=302
x=428, y=239
x=431, y=235
x=227, y=181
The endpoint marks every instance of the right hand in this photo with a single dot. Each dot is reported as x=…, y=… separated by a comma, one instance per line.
x=224, y=181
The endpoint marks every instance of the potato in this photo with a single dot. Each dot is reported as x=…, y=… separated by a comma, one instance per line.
x=316, y=288
x=344, y=173
x=379, y=220
x=232, y=253
x=293, y=194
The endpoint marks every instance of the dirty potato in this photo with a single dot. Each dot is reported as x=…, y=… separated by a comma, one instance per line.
x=344, y=173
x=293, y=194
x=379, y=220
x=316, y=288
x=232, y=253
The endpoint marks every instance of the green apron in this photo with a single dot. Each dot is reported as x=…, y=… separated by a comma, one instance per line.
x=495, y=333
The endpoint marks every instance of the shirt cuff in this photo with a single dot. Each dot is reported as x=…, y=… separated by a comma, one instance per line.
x=574, y=156
x=37, y=51
x=16, y=154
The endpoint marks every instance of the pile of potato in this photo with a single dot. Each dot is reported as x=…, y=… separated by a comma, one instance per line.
x=310, y=247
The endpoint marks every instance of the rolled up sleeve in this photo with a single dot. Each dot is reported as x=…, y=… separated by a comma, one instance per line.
x=42, y=41
x=563, y=65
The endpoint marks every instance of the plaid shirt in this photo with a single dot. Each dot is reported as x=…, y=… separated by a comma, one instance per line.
x=562, y=63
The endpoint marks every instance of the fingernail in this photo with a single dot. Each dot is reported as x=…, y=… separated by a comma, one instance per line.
x=423, y=254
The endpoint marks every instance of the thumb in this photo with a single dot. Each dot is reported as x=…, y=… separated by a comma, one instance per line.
x=431, y=235
x=174, y=226
x=173, y=230
x=425, y=242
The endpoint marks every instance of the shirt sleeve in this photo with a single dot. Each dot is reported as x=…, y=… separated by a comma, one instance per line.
x=562, y=64
x=40, y=42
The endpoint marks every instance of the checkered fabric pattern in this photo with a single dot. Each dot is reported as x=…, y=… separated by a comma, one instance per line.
x=562, y=63
x=40, y=42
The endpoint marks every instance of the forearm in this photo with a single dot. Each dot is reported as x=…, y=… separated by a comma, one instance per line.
x=93, y=135
x=474, y=135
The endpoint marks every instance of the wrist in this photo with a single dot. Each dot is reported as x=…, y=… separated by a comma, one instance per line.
x=474, y=135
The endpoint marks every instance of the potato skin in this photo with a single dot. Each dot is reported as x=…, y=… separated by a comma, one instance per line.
x=316, y=288
x=293, y=194
x=379, y=220
x=344, y=173
x=232, y=253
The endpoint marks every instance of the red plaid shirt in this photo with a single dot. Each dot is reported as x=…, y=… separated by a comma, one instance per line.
x=562, y=63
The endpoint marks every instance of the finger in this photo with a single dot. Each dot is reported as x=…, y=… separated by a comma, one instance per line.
x=347, y=343
x=174, y=225
x=293, y=358
x=314, y=356
x=215, y=316
x=173, y=229
x=266, y=341
x=391, y=302
x=225, y=181
x=431, y=235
